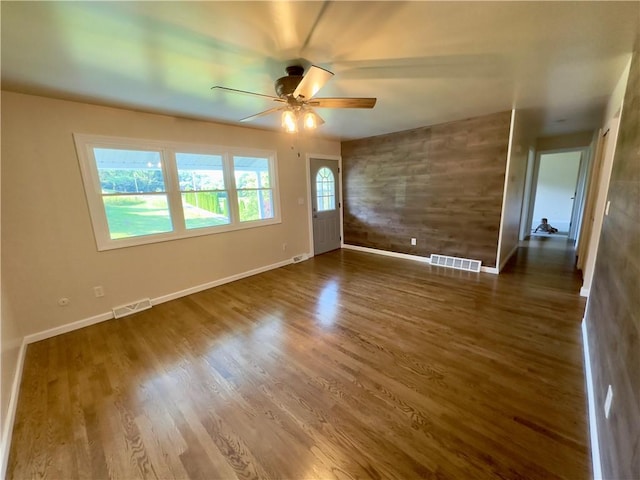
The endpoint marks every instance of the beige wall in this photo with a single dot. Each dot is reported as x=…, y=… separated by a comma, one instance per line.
x=11, y=341
x=617, y=96
x=599, y=191
x=514, y=187
x=48, y=246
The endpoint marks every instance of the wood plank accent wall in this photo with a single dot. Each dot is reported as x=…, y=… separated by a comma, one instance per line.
x=613, y=313
x=442, y=185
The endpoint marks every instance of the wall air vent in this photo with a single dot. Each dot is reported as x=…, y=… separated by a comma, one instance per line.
x=299, y=258
x=124, y=310
x=455, y=262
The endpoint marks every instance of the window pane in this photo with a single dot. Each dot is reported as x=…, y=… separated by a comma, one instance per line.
x=129, y=171
x=205, y=209
x=265, y=181
x=255, y=204
x=251, y=172
x=136, y=215
x=325, y=190
x=200, y=172
x=246, y=179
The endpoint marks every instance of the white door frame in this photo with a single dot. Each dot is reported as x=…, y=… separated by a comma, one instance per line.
x=581, y=195
x=321, y=156
x=599, y=206
x=525, y=221
x=533, y=185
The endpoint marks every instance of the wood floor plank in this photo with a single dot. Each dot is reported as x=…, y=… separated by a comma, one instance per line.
x=346, y=366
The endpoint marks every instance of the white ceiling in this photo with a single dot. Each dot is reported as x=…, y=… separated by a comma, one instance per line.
x=426, y=62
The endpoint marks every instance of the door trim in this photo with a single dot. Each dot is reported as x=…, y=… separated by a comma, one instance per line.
x=321, y=156
x=578, y=206
x=528, y=215
x=525, y=221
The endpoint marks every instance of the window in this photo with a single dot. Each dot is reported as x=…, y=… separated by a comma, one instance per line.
x=253, y=184
x=325, y=190
x=205, y=201
x=143, y=192
x=133, y=192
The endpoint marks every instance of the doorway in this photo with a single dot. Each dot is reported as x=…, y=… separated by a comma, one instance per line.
x=556, y=190
x=324, y=181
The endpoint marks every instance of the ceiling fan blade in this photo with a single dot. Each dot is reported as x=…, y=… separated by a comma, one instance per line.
x=438, y=66
x=343, y=102
x=312, y=82
x=244, y=92
x=261, y=114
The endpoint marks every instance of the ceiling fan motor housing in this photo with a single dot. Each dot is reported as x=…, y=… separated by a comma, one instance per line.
x=285, y=86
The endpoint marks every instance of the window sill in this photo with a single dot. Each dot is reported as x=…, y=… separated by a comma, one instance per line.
x=110, y=244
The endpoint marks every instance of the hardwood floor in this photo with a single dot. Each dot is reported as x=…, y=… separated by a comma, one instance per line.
x=349, y=365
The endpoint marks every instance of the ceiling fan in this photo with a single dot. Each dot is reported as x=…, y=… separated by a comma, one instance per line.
x=296, y=98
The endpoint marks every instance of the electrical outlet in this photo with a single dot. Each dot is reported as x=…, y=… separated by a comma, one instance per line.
x=284, y=247
x=98, y=291
x=414, y=241
x=607, y=402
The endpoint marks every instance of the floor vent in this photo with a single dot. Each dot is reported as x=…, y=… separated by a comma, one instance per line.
x=299, y=258
x=455, y=262
x=124, y=310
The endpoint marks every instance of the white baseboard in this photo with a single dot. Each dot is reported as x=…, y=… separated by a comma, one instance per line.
x=69, y=327
x=406, y=256
x=5, y=443
x=584, y=292
x=386, y=253
x=593, y=424
x=222, y=281
x=492, y=270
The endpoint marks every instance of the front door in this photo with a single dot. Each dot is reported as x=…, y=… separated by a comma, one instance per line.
x=325, y=204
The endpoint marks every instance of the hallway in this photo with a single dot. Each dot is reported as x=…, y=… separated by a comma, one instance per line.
x=546, y=260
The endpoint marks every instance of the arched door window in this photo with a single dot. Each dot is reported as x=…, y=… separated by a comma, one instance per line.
x=325, y=190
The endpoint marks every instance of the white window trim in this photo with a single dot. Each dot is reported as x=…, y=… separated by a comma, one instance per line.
x=93, y=191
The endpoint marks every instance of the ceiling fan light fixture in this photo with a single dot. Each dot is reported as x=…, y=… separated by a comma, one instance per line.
x=289, y=121
x=297, y=98
x=310, y=121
